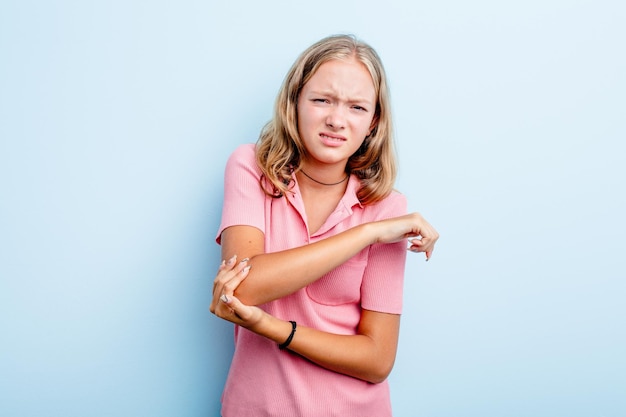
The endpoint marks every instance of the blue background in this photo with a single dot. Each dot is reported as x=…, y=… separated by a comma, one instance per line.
x=116, y=118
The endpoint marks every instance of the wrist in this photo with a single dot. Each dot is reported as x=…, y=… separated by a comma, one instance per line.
x=262, y=325
x=287, y=341
x=369, y=231
x=272, y=328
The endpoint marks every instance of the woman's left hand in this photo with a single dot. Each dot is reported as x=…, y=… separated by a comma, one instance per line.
x=224, y=304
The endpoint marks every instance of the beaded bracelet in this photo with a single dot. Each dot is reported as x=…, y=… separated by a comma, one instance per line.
x=293, y=331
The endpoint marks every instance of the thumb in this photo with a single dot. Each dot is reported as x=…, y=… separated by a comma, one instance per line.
x=239, y=308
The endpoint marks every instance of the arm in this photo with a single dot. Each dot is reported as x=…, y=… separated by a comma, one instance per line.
x=274, y=275
x=369, y=355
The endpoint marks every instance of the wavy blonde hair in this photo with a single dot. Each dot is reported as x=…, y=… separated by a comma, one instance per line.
x=280, y=148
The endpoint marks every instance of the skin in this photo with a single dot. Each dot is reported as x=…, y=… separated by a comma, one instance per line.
x=335, y=114
x=336, y=105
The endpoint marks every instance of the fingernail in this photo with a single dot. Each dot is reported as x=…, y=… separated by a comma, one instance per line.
x=231, y=261
x=246, y=269
x=245, y=260
x=224, y=298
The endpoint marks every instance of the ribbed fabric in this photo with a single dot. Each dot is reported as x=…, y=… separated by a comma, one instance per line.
x=264, y=381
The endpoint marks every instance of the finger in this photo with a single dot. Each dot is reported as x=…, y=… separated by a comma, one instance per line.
x=228, y=287
x=426, y=244
x=416, y=245
x=240, y=310
x=229, y=263
x=231, y=285
x=220, y=269
x=229, y=282
x=224, y=267
x=223, y=310
x=421, y=245
x=427, y=248
x=226, y=272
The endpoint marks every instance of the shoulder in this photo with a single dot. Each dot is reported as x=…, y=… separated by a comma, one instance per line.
x=394, y=197
x=245, y=152
x=395, y=204
x=243, y=157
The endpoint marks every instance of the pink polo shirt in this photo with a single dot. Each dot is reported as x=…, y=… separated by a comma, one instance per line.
x=265, y=381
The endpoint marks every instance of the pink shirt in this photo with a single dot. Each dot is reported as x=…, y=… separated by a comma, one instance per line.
x=266, y=381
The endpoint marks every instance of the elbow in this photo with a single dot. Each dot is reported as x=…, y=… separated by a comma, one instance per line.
x=377, y=378
x=245, y=297
x=380, y=361
x=379, y=372
x=248, y=296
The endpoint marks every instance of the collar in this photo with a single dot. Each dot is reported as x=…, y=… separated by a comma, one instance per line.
x=341, y=212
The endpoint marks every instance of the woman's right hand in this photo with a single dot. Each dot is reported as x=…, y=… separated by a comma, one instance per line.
x=420, y=233
x=229, y=275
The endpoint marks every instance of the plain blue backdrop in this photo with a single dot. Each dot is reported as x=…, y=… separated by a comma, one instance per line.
x=116, y=118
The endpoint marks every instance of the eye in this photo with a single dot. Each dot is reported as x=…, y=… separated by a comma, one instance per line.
x=320, y=100
x=359, y=108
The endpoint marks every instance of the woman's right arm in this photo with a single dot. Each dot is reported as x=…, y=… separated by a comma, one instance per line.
x=275, y=275
x=368, y=354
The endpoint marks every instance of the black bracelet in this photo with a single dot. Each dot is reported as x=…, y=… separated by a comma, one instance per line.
x=293, y=331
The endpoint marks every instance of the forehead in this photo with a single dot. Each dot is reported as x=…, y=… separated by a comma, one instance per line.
x=349, y=76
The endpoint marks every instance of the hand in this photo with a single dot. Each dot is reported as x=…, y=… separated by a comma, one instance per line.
x=226, y=306
x=421, y=234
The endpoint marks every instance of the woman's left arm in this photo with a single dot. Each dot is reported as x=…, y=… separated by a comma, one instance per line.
x=368, y=355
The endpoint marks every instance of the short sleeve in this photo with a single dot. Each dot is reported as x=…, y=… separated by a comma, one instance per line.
x=244, y=200
x=383, y=279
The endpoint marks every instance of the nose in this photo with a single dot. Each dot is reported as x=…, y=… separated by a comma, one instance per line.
x=336, y=118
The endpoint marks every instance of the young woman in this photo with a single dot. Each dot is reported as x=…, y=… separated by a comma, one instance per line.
x=314, y=243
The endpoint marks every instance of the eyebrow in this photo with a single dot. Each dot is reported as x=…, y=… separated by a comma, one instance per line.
x=332, y=94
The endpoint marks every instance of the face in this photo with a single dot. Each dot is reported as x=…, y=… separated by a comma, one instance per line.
x=335, y=112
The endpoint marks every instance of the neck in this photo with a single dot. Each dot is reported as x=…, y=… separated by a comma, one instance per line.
x=324, y=183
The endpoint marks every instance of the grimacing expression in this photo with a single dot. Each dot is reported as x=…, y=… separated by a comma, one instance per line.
x=336, y=109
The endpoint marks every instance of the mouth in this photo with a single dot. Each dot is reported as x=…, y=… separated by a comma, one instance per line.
x=332, y=138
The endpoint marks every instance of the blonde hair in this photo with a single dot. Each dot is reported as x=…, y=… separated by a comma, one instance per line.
x=279, y=148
